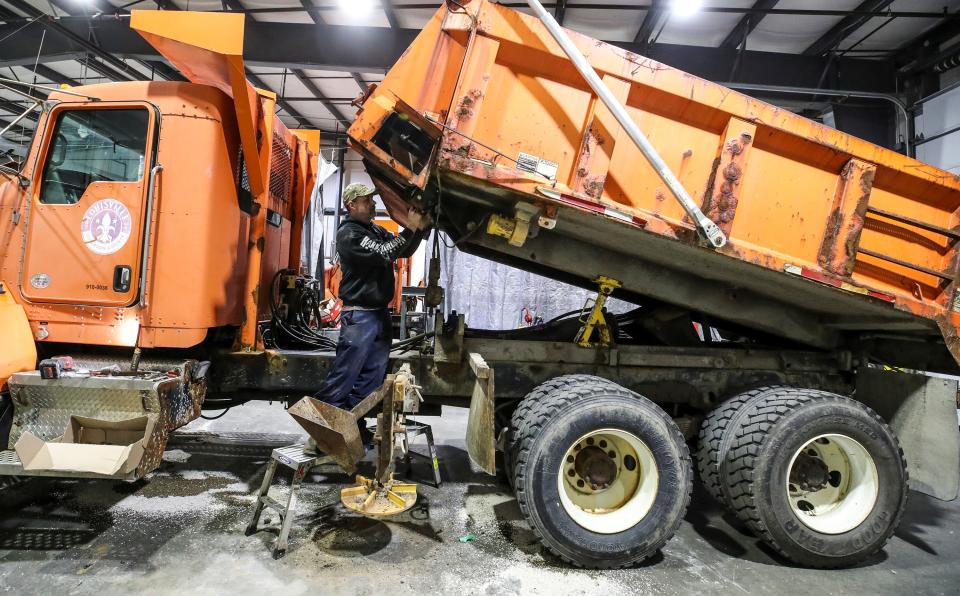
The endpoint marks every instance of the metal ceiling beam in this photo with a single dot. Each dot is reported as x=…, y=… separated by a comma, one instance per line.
x=652, y=20
x=52, y=75
x=560, y=11
x=359, y=81
x=747, y=24
x=95, y=65
x=318, y=20
x=40, y=69
x=17, y=108
x=867, y=10
x=302, y=120
x=15, y=130
x=376, y=49
x=157, y=67
x=390, y=11
x=312, y=88
x=125, y=72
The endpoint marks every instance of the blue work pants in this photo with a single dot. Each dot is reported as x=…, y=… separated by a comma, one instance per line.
x=363, y=351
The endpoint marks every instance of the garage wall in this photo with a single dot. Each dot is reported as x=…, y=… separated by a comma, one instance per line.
x=938, y=126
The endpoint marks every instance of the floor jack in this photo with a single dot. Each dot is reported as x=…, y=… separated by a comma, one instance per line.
x=337, y=435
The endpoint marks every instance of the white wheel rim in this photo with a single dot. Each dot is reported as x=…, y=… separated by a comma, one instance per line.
x=846, y=497
x=626, y=489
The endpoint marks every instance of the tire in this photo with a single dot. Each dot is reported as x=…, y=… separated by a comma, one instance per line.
x=531, y=402
x=642, y=516
x=713, y=441
x=819, y=477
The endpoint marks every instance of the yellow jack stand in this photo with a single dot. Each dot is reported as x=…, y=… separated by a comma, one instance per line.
x=596, y=321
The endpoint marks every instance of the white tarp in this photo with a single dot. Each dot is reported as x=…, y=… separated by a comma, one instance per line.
x=492, y=295
x=313, y=229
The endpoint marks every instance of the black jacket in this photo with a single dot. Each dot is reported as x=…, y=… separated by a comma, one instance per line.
x=367, y=253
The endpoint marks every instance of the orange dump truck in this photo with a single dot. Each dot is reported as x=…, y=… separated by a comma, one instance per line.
x=148, y=218
x=785, y=277
x=798, y=237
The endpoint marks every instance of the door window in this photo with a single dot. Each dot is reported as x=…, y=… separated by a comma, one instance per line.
x=93, y=146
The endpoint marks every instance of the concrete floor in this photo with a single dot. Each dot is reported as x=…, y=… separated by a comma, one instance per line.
x=182, y=532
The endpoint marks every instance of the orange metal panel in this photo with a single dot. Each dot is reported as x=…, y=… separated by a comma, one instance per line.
x=208, y=49
x=793, y=195
x=19, y=353
x=598, y=142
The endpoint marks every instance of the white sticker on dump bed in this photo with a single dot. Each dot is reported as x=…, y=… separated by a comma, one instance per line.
x=956, y=301
x=537, y=165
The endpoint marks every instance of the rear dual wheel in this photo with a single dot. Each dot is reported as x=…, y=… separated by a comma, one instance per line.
x=817, y=476
x=602, y=474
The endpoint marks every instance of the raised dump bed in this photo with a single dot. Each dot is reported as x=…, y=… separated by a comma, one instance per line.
x=833, y=242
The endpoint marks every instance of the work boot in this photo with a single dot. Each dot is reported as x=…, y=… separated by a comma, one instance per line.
x=366, y=435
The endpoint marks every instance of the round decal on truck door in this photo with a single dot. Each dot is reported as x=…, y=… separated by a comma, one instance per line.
x=106, y=226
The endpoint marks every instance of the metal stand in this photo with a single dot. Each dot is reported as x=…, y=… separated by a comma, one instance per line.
x=412, y=430
x=596, y=321
x=294, y=458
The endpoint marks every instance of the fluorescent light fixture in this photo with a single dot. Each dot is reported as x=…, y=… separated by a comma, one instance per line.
x=686, y=8
x=356, y=8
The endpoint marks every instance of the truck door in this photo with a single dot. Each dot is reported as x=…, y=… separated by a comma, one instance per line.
x=87, y=213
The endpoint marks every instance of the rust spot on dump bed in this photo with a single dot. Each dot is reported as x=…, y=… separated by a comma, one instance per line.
x=847, y=218
x=708, y=193
x=722, y=195
x=587, y=162
x=593, y=186
x=467, y=104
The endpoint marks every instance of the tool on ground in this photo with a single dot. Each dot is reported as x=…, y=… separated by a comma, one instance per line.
x=383, y=495
x=596, y=320
x=336, y=433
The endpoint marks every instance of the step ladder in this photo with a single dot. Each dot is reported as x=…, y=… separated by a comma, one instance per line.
x=411, y=430
x=294, y=458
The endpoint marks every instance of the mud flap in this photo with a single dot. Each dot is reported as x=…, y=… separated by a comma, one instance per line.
x=922, y=412
x=481, y=436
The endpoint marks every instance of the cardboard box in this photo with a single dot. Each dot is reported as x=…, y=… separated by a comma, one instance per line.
x=90, y=446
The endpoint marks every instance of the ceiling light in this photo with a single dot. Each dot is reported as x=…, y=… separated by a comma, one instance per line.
x=356, y=8
x=686, y=8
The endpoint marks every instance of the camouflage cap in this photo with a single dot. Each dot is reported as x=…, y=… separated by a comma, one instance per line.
x=356, y=191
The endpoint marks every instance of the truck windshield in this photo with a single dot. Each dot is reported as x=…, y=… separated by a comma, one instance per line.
x=92, y=146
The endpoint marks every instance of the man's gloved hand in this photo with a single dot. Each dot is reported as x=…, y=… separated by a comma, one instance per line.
x=418, y=220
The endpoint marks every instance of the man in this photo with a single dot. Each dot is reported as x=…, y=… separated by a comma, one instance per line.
x=367, y=253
